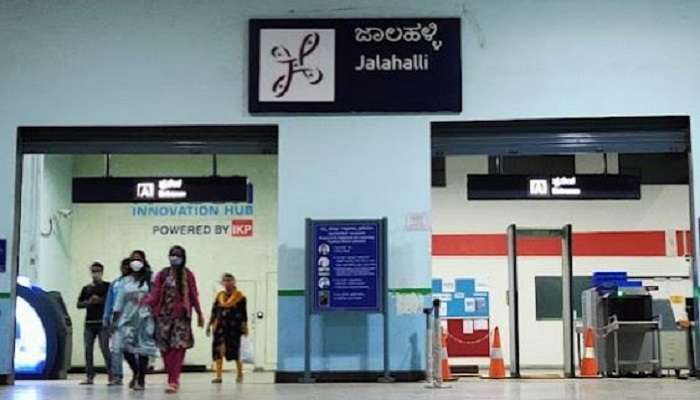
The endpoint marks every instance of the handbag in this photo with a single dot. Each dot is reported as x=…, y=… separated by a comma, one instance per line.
x=247, y=351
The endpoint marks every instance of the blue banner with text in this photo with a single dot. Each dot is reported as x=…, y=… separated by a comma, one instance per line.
x=347, y=265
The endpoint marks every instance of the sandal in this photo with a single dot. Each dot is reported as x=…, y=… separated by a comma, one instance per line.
x=171, y=389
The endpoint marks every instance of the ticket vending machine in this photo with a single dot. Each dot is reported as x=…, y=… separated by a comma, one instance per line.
x=43, y=334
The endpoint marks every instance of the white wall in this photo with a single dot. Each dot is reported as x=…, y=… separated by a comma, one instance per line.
x=663, y=208
x=55, y=261
x=46, y=232
x=32, y=170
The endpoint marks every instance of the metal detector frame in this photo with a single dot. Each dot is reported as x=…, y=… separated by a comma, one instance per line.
x=567, y=293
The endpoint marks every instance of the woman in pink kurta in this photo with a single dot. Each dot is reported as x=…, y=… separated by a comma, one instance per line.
x=173, y=298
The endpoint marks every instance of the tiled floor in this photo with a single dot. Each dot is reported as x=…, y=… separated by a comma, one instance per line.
x=260, y=387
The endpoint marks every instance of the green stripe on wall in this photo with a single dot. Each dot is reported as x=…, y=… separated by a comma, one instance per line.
x=418, y=291
x=4, y=295
x=292, y=292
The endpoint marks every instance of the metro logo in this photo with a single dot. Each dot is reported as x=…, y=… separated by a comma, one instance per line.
x=242, y=227
x=539, y=187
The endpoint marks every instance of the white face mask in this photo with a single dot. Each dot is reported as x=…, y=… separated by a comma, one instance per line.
x=136, y=265
x=97, y=276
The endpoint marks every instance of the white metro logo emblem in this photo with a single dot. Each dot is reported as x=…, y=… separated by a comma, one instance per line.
x=146, y=190
x=169, y=189
x=560, y=186
x=539, y=187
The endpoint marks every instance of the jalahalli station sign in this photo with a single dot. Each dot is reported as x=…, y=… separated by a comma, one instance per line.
x=355, y=65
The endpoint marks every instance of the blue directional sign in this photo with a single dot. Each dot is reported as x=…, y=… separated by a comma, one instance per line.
x=347, y=265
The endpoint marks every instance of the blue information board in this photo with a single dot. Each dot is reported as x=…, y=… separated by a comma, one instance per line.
x=3, y=255
x=347, y=261
x=461, y=299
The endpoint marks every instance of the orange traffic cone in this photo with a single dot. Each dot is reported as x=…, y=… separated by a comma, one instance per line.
x=444, y=363
x=497, y=370
x=589, y=364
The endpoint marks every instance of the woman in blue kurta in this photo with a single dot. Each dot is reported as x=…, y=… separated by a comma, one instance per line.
x=134, y=323
x=117, y=356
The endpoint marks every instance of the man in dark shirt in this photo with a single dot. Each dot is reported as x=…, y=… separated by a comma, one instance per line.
x=92, y=298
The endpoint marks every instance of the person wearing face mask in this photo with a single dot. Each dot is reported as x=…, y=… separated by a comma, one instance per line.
x=173, y=298
x=132, y=322
x=92, y=299
x=116, y=356
x=140, y=255
x=229, y=321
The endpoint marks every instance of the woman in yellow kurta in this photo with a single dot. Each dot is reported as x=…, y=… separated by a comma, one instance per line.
x=229, y=321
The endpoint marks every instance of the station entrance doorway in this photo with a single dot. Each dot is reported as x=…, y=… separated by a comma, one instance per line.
x=624, y=185
x=94, y=194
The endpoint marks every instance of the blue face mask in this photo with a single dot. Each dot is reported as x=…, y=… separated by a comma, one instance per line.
x=176, y=261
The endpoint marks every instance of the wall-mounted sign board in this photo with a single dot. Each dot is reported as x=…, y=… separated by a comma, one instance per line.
x=3, y=255
x=355, y=65
x=161, y=190
x=459, y=298
x=574, y=187
x=347, y=264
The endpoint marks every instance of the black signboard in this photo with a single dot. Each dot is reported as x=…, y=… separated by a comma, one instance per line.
x=355, y=65
x=161, y=190
x=574, y=187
